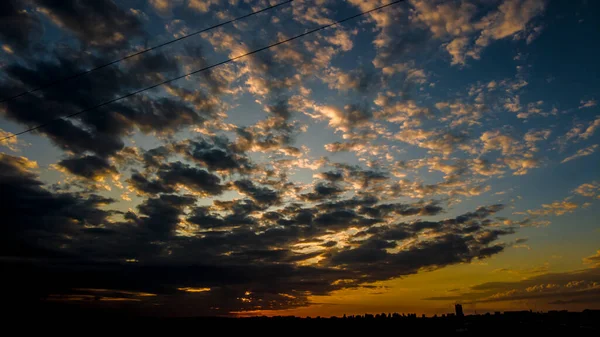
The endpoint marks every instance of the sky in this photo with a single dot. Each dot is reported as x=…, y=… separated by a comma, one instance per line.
x=428, y=153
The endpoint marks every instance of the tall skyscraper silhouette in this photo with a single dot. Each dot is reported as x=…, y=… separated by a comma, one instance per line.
x=459, y=310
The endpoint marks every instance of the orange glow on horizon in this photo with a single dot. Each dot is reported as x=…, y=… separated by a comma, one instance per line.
x=193, y=290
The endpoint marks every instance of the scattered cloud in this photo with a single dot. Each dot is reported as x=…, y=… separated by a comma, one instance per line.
x=582, y=153
x=327, y=163
x=581, y=286
x=588, y=104
x=591, y=189
x=593, y=260
x=556, y=208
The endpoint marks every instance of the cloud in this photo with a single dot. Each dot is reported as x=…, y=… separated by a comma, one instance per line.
x=260, y=195
x=350, y=117
x=581, y=131
x=547, y=288
x=362, y=81
x=222, y=206
x=589, y=189
x=19, y=27
x=435, y=141
x=89, y=167
x=556, y=208
x=36, y=219
x=203, y=217
x=101, y=131
x=212, y=246
x=457, y=48
x=521, y=165
x=587, y=104
x=12, y=143
x=468, y=28
x=594, y=260
x=164, y=7
x=323, y=191
x=462, y=113
x=98, y=24
x=589, y=131
x=191, y=177
x=202, y=5
x=160, y=216
x=397, y=110
x=518, y=156
x=142, y=184
x=463, y=238
x=534, y=136
x=581, y=153
x=217, y=154
x=485, y=168
x=512, y=17
x=495, y=140
x=174, y=176
x=446, y=19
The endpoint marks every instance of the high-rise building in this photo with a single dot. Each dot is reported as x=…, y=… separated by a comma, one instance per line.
x=459, y=310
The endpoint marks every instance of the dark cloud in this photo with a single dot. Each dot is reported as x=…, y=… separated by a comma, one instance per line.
x=383, y=210
x=487, y=236
x=144, y=185
x=373, y=260
x=35, y=219
x=155, y=157
x=216, y=154
x=329, y=244
x=89, y=167
x=161, y=115
x=171, y=176
x=96, y=24
x=480, y=213
x=272, y=286
x=452, y=244
x=244, y=253
x=323, y=191
x=99, y=131
x=202, y=217
x=352, y=203
x=160, y=216
x=234, y=248
x=332, y=176
x=264, y=138
x=18, y=26
x=65, y=133
x=233, y=213
x=341, y=219
x=192, y=177
x=261, y=195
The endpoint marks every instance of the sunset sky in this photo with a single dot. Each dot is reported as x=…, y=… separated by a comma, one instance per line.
x=428, y=153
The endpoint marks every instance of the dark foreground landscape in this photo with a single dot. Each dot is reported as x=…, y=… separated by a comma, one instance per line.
x=563, y=323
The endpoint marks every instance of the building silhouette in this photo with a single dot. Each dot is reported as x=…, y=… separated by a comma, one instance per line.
x=459, y=310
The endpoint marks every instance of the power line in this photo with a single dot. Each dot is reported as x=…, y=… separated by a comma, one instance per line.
x=204, y=69
x=85, y=72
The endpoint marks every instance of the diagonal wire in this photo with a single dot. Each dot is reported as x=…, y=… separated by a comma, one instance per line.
x=85, y=72
x=204, y=69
